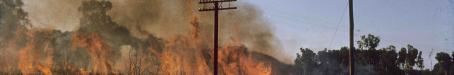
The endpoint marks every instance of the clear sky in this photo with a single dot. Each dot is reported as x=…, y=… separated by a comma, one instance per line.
x=426, y=24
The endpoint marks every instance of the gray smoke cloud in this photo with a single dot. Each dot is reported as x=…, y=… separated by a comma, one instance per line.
x=71, y=36
x=53, y=14
x=164, y=19
x=161, y=18
x=173, y=17
x=247, y=25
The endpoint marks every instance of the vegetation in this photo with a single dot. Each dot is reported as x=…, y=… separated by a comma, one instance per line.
x=370, y=60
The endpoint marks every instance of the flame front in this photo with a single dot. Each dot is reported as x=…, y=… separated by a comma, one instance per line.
x=235, y=60
x=36, y=57
x=97, y=50
x=102, y=46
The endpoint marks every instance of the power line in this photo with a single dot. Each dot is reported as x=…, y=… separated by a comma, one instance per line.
x=337, y=25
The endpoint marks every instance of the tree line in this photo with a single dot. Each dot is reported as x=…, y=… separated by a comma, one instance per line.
x=372, y=61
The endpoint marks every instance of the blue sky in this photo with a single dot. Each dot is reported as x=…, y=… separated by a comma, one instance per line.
x=426, y=24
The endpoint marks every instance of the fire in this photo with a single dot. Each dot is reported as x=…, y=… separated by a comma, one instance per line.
x=235, y=60
x=30, y=59
x=97, y=50
x=47, y=66
x=25, y=60
x=189, y=56
x=9, y=54
x=189, y=53
x=183, y=57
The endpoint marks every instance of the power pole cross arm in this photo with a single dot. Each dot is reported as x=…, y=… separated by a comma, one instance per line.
x=217, y=5
x=215, y=1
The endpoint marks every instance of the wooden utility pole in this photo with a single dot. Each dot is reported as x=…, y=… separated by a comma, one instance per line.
x=351, y=54
x=216, y=8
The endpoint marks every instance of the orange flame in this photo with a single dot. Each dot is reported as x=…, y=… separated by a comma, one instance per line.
x=30, y=60
x=97, y=50
x=187, y=55
x=190, y=54
x=235, y=60
x=25, y=58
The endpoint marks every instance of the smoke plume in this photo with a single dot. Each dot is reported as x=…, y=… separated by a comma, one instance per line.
x=131, y=37
x=54, y=14
x=172, y=17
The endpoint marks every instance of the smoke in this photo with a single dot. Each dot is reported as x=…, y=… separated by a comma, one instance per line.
x=171, y=18
x=163, y=18
x=128, y=37
x=12, y=20
x=53, y=14
x=248, y=26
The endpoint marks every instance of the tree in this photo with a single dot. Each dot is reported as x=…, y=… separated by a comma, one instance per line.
x=12, y=19
x=384, y=61
x=305, y=61
x=95, y=18
x=407, y=58
x=387, y=64
x=401, y=60
x=442, y=67
x=13, y=23
x=329, y=62
x=452, y=59
x=411, y=56
x=420, y=61
x=370, y=42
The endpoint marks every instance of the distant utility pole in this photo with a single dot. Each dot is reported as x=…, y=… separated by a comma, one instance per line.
x=351, y=54
x=217, y=5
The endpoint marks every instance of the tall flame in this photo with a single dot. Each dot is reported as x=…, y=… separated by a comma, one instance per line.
x=26, y=56
x=112, y=48
x=30, y=59
x=97, y=50
x=186, y=55
x=235, y=60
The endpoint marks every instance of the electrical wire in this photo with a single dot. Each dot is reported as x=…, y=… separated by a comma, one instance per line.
x=338, y=24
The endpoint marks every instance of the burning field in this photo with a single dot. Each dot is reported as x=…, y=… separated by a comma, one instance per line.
x=150, y=37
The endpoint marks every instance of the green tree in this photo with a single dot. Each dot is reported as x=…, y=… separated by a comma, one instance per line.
x=370, y=42
x=411, y=57
x=407, y=58
x=388, y=64
x=420, y=61
x=369, y=60
x=442, y=67
x=329, y=62
x=305, y=61
x=452, y=57
x=401, y=60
